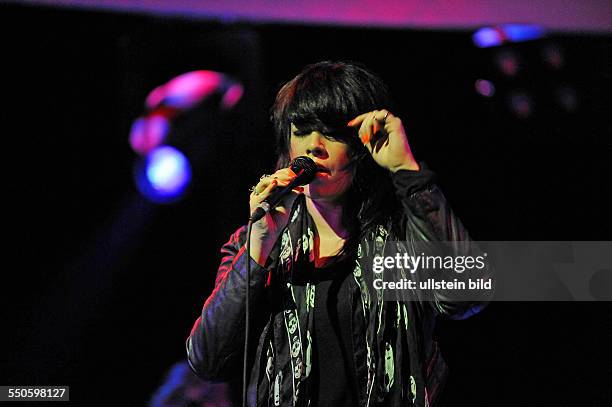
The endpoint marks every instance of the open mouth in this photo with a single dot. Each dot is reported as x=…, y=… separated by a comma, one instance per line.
x=322, y=169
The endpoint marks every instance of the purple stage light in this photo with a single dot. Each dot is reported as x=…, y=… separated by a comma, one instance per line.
x=187, y=90
x=164, y=175
x=495, y=36
x=485, y=88
x=148, y=133
x=232, y=96
x=487, y=37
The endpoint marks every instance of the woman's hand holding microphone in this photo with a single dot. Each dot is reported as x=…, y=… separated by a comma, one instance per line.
x=267, y=230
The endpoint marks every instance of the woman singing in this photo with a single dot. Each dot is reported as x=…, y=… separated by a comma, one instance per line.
x=320, y=334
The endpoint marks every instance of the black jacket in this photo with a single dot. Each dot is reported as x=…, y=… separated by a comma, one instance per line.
x=215, y=345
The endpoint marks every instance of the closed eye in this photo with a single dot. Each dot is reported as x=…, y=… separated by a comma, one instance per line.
x=299, y=133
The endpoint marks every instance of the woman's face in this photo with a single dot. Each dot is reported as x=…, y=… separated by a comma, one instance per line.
x=330, y=155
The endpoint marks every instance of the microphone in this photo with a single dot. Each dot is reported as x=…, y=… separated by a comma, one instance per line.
x=305, y=169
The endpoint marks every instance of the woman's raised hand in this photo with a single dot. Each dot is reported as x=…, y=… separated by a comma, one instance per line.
x=384, y=136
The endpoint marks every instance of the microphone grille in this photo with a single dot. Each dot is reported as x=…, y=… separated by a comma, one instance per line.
x=305, y=168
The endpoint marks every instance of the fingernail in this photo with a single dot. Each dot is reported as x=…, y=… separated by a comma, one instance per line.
x=350, y=123
x=366, y=138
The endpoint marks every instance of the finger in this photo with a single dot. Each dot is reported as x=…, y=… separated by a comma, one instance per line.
x=266, y=192
x=262, y=185
x=258, y=197
x=285, y=174
x=382, y=115
x=367, y=129
x=358, y=120
x=375, y=123
x=381, y=118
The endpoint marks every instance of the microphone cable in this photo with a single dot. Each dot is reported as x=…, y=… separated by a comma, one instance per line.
x=305, y=169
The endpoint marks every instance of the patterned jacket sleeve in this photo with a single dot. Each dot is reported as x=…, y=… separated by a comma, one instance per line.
x=215, y=344
x=429, y=218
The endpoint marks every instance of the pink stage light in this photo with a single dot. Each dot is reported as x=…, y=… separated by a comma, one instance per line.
x=189, y=89
x=232, y=96
x=148, y=133
x=485, y=88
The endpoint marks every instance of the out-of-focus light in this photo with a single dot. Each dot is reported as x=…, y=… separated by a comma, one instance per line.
x=521, y=104
x=148, y=133
x=485, y=88
x=232, y=96
x=523, y=32
x=164, y=175
x=189, y=89
x=487, y=37
x=508, y=63
x=186, y=90
x=494, y=36
x=553, y=56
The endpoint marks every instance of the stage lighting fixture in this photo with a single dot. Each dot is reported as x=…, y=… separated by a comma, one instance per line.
x=163, y=176
x=495, y=36
x=485, y=87
x=164, y=173
x=187, y=90
x=232, y=96
x=487, y=37
x=523, y=32
x=148, y=133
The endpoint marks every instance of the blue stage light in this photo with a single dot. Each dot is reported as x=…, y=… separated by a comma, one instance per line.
x=494, y=36
x=487, y=37
x=523, y=32
x=164, y=175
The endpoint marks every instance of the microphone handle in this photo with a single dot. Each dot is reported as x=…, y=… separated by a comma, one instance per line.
x=272, y=201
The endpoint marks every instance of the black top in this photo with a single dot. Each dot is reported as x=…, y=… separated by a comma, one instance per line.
x=333, y=365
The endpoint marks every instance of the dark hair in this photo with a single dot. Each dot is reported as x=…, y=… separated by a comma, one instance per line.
x=324, y=97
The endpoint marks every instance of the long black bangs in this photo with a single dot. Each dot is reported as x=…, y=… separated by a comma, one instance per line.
x=327, y=111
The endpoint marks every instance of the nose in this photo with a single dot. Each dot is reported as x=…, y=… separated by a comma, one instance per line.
x=316, y=145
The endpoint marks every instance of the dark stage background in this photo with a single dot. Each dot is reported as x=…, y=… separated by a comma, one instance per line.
x=101, y=287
